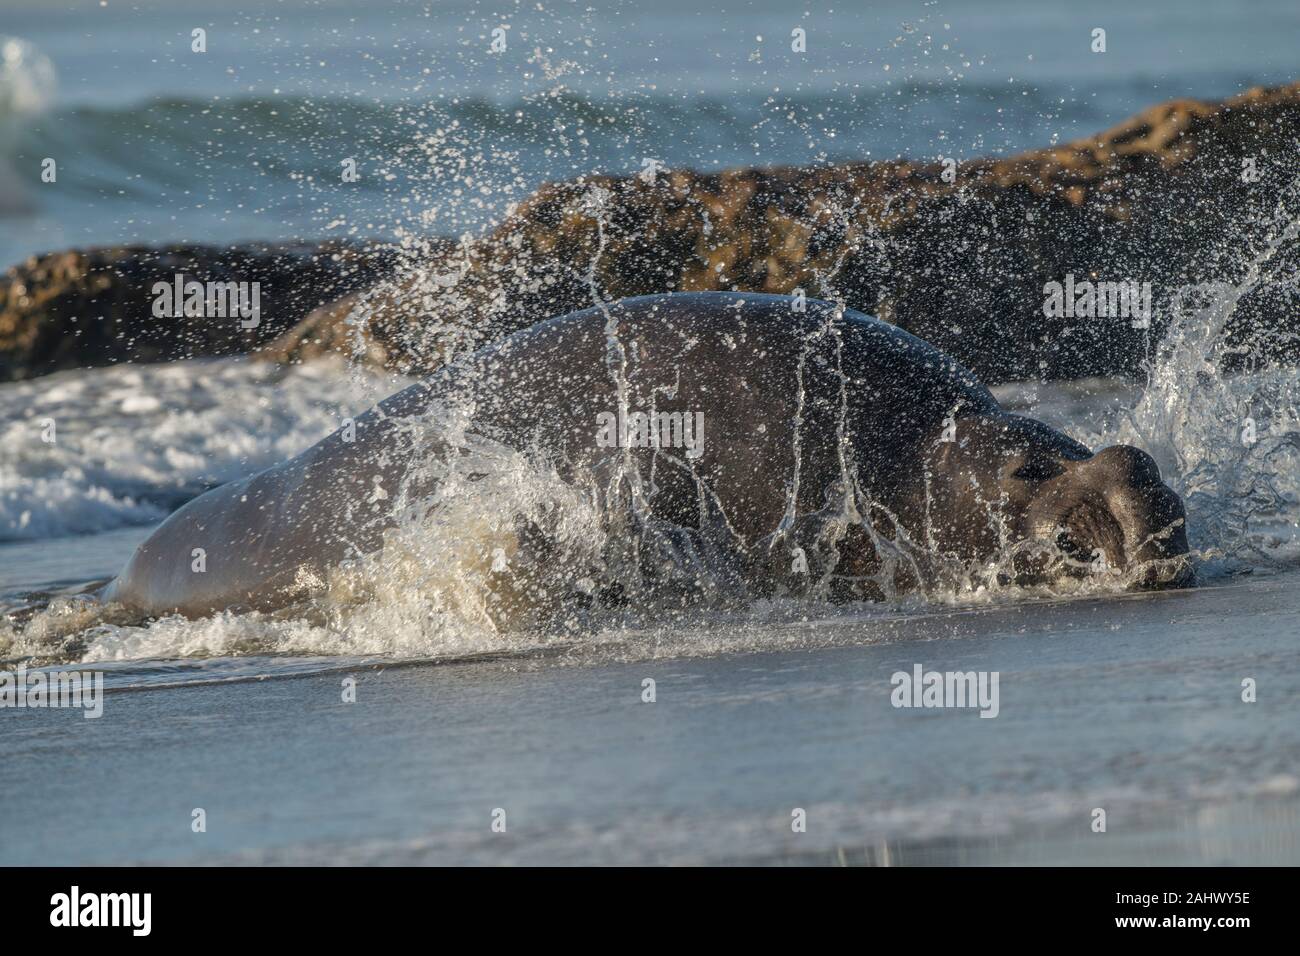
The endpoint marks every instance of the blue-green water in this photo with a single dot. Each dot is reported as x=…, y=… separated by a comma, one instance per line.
x=157, y=143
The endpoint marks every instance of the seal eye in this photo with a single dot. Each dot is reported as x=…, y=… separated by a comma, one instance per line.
x=1037, y=469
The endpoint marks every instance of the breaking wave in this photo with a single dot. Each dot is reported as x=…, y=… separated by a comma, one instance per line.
x=92, y=450
x=1227, y=442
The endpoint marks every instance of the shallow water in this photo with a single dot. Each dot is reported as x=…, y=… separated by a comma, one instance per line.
x=1129, y=704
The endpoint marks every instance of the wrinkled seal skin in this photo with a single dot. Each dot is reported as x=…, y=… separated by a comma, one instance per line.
x=797, y=406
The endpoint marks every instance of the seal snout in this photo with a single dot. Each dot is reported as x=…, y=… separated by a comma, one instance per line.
x=1152, y=544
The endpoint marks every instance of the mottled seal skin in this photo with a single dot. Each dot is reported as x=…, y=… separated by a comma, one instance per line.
x=831, y=440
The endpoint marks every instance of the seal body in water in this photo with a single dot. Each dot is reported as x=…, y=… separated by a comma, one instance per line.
x=789, y=445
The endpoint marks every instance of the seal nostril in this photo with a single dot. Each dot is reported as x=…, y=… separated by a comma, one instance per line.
x=1072, y=549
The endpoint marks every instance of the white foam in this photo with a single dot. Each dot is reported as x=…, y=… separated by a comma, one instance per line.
x=27, y=78
x=133, y=442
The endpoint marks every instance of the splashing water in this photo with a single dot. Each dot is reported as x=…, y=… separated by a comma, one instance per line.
x=458, y=573
x=1227, y=442
x=490, y=551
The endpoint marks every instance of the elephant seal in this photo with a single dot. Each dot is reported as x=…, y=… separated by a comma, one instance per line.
x=787, y=446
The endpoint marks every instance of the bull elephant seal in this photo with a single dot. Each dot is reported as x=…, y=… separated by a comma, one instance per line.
x=786, y=446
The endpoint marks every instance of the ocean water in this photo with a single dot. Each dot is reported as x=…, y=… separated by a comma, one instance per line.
x=1130, y=703
x=156, y=143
